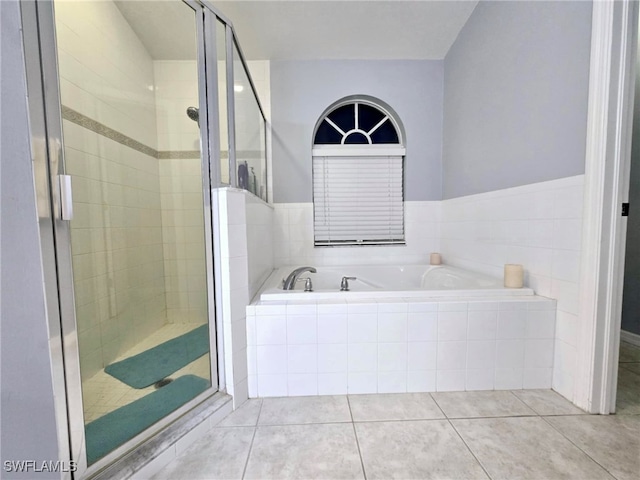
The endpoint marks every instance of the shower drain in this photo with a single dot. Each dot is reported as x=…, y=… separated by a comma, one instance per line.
x=163, y=382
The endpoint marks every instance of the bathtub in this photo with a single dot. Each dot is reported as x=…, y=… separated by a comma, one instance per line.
x=400, y=329
x=412, y=281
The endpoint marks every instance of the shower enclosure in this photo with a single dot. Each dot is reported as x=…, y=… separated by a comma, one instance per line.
x=145, y=107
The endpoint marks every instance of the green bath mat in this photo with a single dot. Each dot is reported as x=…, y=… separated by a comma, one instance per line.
x=158, y=362
x=115, y=428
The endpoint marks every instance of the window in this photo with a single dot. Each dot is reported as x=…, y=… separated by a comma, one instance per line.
x=358, y=176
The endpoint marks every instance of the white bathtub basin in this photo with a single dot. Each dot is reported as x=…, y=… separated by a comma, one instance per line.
x=411, y=281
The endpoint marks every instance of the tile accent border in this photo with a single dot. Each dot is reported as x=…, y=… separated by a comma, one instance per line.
x=101, y=129
x=178, y=154
x=108, y=132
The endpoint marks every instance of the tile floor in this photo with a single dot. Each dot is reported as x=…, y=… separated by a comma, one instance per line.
x=628, y=398
x=534, y=434
x=103, y=393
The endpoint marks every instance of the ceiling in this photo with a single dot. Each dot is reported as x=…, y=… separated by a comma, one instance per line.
x=346, y=29
x=308, y=29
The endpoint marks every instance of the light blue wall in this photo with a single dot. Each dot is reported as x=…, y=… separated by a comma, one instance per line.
x=631, y=295
x=28, y=427
x=515, y=96
x=302, y=90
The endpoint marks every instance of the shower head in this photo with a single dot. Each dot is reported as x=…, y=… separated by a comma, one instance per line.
x=194, y=114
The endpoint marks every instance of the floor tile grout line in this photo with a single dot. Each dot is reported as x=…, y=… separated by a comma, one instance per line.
x=577, y=446
x=532, y=413
x=447, y=417
x=349, y=407
x=355, y=434
x=438, y=405
x=253, y=437
x=259, y=412
x=493, y=417
x=360, y=421
x=298, y=424
x=469, y=449
x=524, y=403
x=448, y=420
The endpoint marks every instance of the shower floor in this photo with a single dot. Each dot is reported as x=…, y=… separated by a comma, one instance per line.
x=103, y=393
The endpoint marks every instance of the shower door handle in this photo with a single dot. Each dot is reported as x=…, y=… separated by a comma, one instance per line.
x=66, y=197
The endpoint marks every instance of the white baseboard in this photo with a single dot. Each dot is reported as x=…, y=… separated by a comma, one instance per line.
x=632, y=338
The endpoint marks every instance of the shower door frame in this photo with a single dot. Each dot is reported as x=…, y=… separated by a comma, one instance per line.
x=45, y=109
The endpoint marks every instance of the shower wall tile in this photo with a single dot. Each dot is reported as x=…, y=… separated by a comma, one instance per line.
x=106, y=72
x=176, y=89
x=184, y=245
x=117, y=248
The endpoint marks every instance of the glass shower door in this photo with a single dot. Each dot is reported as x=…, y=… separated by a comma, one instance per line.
x=129, y=75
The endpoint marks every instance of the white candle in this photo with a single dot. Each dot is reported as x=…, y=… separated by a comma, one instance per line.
x=436, y=259
x=513, y=276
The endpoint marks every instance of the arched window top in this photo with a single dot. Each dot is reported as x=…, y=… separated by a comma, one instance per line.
x=357, y=121
x=358, y=174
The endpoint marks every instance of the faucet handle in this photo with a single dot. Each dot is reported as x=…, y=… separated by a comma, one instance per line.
x=344, y=284
x=308, y=286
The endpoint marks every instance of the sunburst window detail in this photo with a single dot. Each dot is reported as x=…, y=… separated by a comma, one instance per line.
x=356, y=123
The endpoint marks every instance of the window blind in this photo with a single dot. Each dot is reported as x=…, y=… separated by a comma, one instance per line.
x=358, y=200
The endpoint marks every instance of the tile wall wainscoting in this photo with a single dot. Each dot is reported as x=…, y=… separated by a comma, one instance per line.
x=293, y=239
x=537, y=225
x=390, y=346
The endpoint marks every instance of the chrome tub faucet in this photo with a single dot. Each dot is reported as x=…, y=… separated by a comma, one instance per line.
x=290, y=282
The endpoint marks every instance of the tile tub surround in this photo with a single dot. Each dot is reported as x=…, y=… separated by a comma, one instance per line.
x=537, y=225
x=390, y=346
x=293, y=239
x=243, y=264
